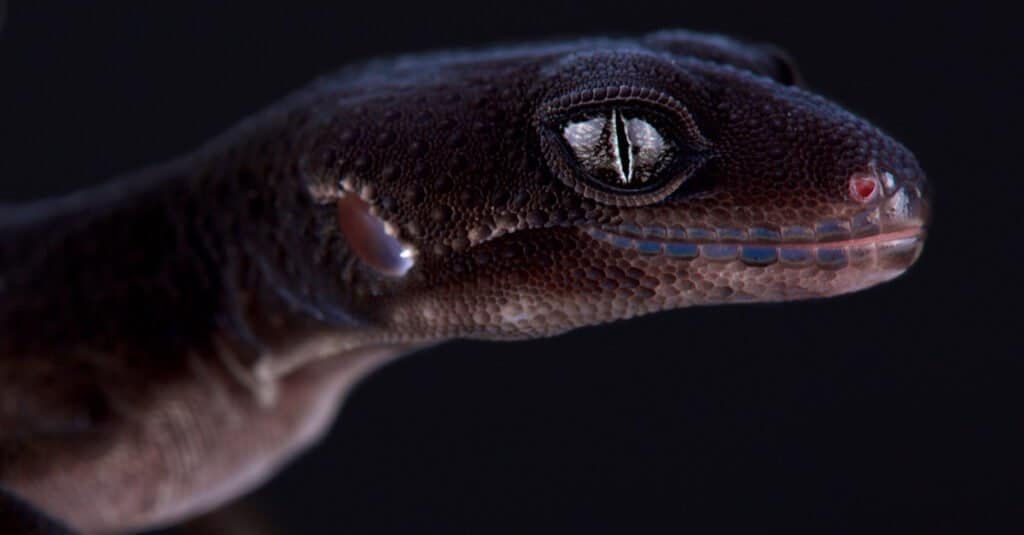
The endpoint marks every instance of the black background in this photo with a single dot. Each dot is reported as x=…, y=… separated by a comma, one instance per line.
x=896, y=407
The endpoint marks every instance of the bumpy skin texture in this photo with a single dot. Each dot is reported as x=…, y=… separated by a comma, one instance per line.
x=168, y=341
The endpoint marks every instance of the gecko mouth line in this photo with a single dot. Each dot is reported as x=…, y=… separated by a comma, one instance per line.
x=900, y=246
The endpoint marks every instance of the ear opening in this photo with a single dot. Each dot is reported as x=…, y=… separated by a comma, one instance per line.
x=373, y=241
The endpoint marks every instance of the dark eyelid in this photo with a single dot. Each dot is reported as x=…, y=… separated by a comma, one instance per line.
x=654, y=105
x=668, y=116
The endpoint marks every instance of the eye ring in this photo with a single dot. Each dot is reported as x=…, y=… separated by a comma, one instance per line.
x=649, y=104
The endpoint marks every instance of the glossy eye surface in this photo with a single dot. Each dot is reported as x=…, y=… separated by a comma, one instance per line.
x=619, y=149
x=622, y=145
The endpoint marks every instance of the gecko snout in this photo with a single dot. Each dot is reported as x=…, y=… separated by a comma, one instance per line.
x=898, y=214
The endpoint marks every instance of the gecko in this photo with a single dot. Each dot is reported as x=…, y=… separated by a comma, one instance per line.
x=172, y=338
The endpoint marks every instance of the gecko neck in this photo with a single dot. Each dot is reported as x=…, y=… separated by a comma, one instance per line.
x=161, y=259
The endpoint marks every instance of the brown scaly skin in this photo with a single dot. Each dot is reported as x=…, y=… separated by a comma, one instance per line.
x=169, y=341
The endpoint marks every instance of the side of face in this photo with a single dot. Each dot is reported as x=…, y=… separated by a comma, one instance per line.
x=534, y=194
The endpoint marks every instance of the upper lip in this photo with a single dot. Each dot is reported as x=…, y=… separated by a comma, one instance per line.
x=902, y=213
x=868, y=225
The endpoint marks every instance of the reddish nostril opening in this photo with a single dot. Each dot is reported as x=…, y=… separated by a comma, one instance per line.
x=863, y=188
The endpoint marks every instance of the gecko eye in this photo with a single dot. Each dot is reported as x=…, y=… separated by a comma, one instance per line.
x=621, y=146
x=621, y=151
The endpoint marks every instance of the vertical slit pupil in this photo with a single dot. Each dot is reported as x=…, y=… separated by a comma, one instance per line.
x=622, y=139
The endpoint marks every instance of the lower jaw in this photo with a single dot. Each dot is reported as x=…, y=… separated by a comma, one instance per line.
x=889, y=250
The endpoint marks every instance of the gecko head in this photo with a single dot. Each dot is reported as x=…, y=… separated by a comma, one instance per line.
x=622, y=178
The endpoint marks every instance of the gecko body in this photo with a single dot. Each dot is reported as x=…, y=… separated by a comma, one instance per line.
x=170, y=339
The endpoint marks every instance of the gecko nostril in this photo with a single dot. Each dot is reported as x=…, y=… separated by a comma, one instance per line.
x=864, y=188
